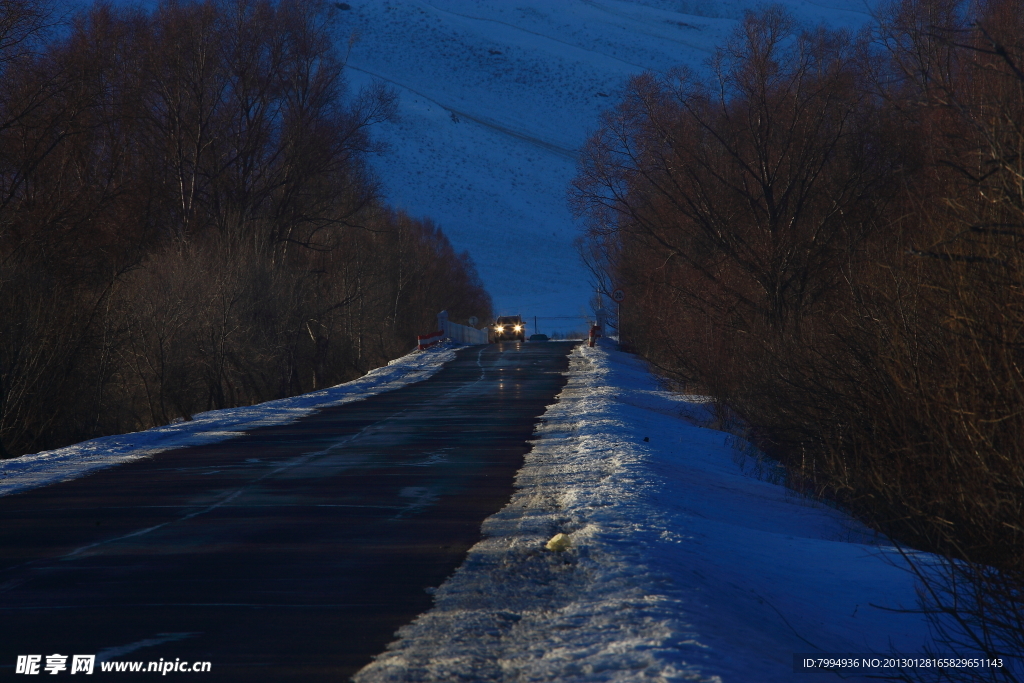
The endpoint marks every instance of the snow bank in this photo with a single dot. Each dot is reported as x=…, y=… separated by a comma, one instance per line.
x=681, y=566
x=71, y=462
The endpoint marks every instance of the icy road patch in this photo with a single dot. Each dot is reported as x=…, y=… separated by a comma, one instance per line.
x=683, y=564
x=71, y=462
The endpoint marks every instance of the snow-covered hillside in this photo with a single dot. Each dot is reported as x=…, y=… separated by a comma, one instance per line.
x=497, y=96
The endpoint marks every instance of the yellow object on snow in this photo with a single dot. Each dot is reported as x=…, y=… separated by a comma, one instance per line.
x=559, y=542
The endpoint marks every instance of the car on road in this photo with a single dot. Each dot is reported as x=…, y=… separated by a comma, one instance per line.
x=508, y=327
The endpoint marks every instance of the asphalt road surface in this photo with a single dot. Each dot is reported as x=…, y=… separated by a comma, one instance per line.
x=290, y=553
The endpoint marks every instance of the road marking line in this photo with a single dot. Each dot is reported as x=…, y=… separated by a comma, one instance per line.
x=152, y=528
x=111, y=652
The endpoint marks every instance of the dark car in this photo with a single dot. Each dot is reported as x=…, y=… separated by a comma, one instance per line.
x=509, y=327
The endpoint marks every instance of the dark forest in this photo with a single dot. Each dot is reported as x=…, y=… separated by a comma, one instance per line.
x=188, y=220
x=825, y=233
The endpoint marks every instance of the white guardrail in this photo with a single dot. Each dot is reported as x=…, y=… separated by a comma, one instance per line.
x=460, y=333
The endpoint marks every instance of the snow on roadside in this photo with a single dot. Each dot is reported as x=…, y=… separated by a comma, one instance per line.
x=71, y=462
x=682, y=566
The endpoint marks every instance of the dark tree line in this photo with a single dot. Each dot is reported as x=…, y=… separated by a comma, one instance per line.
x=826, y=233
x=188, y=222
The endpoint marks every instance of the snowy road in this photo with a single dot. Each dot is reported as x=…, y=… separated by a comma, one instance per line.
x=687, y=562
x=293, y=552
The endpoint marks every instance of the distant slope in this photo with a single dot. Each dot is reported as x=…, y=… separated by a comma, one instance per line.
x=497, y=96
